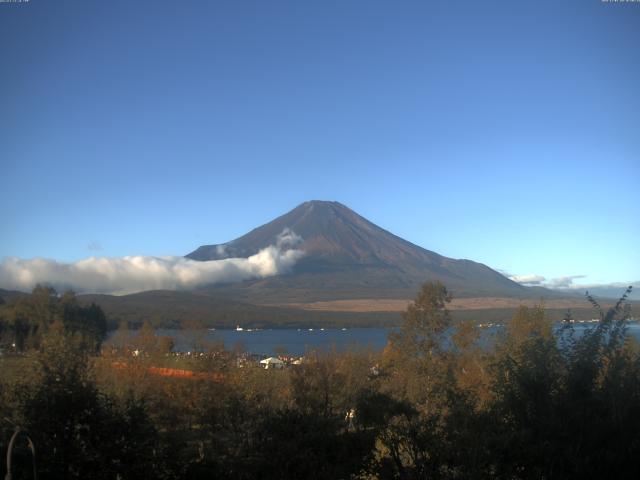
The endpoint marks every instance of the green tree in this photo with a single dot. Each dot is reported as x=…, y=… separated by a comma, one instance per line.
x=78, y=431
x=89, y=322
x=425, y=322
x=29, y=317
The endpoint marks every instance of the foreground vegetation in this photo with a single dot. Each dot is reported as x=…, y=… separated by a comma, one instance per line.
x=436, y=403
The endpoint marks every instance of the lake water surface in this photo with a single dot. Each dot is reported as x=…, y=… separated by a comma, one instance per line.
x=299, y=341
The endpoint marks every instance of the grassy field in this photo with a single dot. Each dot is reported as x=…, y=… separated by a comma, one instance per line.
x=399, y=305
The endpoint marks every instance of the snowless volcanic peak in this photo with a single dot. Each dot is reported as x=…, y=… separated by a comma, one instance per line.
x=328, y=229
x=347, y=253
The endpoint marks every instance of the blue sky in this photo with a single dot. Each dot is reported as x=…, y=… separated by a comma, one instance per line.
x=504, y=132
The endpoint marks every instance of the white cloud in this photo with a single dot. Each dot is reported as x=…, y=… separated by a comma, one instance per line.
x=530, y=279
x=132, y=274
x=558, y=282
x=613, y=286
x=288, y=238
x=564, y=282
x=609, y=290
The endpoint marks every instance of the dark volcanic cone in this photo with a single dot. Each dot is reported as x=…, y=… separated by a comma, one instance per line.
x=347, y=256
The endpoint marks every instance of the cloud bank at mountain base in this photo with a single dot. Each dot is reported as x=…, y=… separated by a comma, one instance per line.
x=131, y=274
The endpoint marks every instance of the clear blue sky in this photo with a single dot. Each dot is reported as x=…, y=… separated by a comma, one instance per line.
x=504, y=132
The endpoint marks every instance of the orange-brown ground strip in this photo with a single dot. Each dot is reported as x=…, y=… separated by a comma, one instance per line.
x=399, y=305
x=175, y=373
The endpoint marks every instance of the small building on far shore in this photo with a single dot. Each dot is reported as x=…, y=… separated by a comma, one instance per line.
x=272, y=362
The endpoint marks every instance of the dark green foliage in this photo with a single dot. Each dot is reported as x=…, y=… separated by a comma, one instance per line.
x=25, y=319
x=305, y=445
x=78, y=431
x=570, y=409
x=249, y=441
x=89, y=322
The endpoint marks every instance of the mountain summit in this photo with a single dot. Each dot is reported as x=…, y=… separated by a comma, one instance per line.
x=347, y=256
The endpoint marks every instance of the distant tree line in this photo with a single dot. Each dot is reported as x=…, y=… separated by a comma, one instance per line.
x=539, y=401
x=25, y=320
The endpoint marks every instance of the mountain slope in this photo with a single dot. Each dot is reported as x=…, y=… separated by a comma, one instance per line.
x=347, y=256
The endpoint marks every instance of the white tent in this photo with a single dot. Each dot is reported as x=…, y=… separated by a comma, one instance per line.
x=272, y=362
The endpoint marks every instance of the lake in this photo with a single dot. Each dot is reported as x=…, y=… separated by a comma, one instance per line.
x=298, y=341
